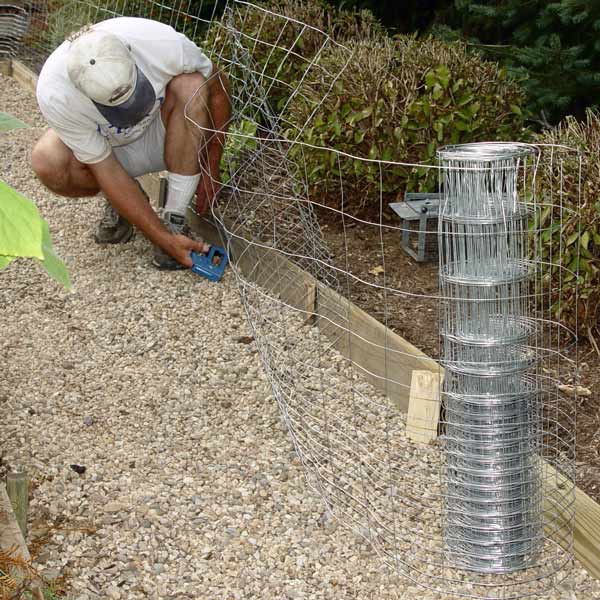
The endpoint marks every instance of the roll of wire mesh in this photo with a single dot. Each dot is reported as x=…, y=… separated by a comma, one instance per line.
x=492, y=504
x=14, y=21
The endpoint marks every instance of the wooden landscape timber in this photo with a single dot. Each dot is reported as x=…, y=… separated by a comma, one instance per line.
x=5, y=67
x=586, y=532
x=11, y=536
x=586, y=525
x=366, y=342
x=423, y=414
x=12, y=543
x=299, y=289
x=17, y=488
x=24, y=75
x=384, y=358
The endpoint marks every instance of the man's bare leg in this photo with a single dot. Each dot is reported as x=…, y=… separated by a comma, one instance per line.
x=219, y=115
x=183, y=138
x=186, y=94
x=58, y=169
x=186, y=114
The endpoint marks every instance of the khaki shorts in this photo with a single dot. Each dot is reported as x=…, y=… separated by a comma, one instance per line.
x=147, y=153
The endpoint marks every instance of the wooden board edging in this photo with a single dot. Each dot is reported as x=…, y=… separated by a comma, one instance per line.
x=586, y=526
x=12, y=541
x=383, y=357
x=423, y=415
x=24, y=75
x=5, y=67
x=586, y=533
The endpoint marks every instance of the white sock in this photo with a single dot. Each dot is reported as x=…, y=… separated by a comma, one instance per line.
x=180, y=189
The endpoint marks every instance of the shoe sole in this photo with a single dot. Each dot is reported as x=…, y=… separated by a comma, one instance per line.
x=174, y=266
x=122, y=240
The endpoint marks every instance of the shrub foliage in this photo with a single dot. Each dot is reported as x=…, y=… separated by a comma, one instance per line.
x=400, y=99
x=283, y=40
x=573, y=241
x=396, y=99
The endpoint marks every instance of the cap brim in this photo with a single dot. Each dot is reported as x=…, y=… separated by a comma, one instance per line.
x=135, y=108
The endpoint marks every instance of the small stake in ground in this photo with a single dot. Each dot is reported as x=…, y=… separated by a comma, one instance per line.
x=423, y=407
x=17, y=488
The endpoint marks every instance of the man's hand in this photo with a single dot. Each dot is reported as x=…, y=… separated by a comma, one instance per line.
x=180, y=249
x=126, y=197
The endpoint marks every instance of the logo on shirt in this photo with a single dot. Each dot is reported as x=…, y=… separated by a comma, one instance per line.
x=120, y=136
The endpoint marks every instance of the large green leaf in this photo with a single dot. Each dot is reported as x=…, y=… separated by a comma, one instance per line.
x=20, y=225
x=5, y=261
x=54, y=266
x=8, y=122
x=24, y=233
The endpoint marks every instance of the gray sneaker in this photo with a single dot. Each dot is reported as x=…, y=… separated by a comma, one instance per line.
x=113, y=228
x=175, y=224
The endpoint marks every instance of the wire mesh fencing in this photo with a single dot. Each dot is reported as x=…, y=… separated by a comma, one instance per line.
x=486, y=509
x=14, y=23
x=51, y=22
x=493, y=508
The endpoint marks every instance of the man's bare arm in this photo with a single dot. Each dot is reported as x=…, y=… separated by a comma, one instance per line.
x=126, y=197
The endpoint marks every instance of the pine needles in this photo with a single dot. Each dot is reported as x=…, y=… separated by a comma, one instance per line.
x=17, y=577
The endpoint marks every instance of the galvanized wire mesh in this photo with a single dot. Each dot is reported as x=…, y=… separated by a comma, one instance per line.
x=493, y=508
x=485, y=511
x=50, y=22
x=14, y=22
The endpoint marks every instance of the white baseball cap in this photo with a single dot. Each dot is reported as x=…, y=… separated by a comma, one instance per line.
x=101, y=66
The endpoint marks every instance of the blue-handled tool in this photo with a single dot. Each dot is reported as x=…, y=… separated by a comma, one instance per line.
x=211, y=265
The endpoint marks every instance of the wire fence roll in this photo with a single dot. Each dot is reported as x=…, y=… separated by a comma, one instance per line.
x=492, y=509
x=14, y=23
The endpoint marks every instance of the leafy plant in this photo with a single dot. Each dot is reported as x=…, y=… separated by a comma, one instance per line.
x=552, y=45
x=64, y=18
x=240, y=140
x=24, y=233
x=399, y=100
x=8, y=122
x=279, y=39
x=570, y=238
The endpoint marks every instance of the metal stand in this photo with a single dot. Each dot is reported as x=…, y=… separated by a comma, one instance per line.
x=419, y=215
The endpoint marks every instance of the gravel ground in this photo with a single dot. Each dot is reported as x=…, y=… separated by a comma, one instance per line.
x=191, y=488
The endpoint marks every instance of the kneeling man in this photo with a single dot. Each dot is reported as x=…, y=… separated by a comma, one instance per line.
x=123, y=98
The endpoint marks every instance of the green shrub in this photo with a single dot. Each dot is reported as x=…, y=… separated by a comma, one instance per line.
x=64, y=18
x=282, y=37
x=572, y=239
x=400, y=100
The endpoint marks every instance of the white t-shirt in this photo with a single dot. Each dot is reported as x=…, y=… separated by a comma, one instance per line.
x=159, y=51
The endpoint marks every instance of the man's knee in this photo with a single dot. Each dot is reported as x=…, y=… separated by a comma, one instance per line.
x=50, y=162
x=188, y=90
x=184, y=86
